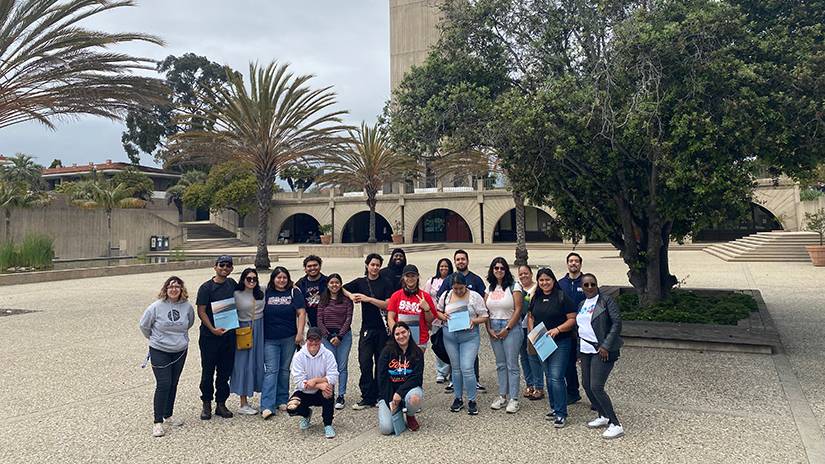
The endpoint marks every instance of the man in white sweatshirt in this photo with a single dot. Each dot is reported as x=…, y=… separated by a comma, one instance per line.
x=315, y=374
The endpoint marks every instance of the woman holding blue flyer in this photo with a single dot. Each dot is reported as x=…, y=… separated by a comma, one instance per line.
x=284, y=321
x=248, y=372
x=463, y=311
x=600, y=328
x=553, y=315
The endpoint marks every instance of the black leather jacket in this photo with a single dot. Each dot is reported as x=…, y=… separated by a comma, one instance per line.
x=607, y=325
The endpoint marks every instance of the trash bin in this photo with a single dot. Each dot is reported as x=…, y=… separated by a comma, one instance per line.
x=165, y=242
x=153, y=243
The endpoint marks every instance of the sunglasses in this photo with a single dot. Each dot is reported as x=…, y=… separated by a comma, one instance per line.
x=589, y=285
x=251, y=279
x=499, y=268
x=224, y=264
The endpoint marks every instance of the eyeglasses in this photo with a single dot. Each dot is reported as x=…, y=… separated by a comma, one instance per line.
x=173, y=286
x=589, y=285
x=251, y=279
x=224, y=264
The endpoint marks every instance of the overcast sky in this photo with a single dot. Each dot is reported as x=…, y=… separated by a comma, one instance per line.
x=343, y=43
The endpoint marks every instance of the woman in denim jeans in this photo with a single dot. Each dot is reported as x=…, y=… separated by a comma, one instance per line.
x=530, y=363
x=462, y=345
x=334, y=320
x=503, y=300
x=553, y=308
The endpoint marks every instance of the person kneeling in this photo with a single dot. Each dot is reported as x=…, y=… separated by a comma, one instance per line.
x=315, y=373
x=400, y=378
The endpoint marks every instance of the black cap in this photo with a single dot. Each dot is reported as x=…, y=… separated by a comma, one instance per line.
x=410, y=269
x=223, y=259
x=314, y=333
x=459, y=278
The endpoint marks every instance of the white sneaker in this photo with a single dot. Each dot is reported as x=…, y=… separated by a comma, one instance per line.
x=598, y=422
x=173, y=421
x=157, y=430
x=613, y=431
x=247, y=410
x=498, y=403
x=512, y=406
x=267, y=413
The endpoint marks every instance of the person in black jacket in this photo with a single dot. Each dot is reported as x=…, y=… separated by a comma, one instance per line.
x=600, y=327
x=400, y=379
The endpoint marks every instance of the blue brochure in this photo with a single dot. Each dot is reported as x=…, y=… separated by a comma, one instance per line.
x=399, y=424
x=459, y=320
x=225, y=314
x=544, y=344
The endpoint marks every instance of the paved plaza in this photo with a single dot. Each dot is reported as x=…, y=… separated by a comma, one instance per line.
x=73, y=390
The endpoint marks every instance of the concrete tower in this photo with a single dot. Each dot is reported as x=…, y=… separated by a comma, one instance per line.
x=412, y=32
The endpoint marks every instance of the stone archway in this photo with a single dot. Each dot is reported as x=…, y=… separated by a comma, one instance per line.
x=442, y=225
x=299, y=228
x=539, y=227
x=356, y=229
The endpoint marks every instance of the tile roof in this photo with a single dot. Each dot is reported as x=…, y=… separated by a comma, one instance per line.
x=107, y=166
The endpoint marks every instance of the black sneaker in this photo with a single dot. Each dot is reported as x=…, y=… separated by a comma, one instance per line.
x=573, y=399
x=339, y=402
x=457, y=405
x=560, y=422
x=481, y=388
x=472, y=408
x=449, y=388
x=363, y=404
x=206, y=413
x=551, y=416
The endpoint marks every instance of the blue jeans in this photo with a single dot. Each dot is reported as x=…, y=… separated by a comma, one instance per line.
x=385, y=415
x=555, y=367
x=341, y=353
x=462, y=347
x=506, y=352
x=277, y=359
x=531, y=365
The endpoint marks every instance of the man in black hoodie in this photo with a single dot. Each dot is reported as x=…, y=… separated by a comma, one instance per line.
x=395, y=269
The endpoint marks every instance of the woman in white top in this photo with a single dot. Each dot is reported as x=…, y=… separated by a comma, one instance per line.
x=248, y=372
x=442, y=270
x=504, y=302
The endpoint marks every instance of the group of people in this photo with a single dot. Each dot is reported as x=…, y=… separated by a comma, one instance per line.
x=303, y=331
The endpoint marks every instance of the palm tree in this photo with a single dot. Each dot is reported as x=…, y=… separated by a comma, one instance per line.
x=174, y=194
x=23, y=170
x=278, y=120
x=16, y=195
x=365, y=163
x=106, y=195
x=52, y=67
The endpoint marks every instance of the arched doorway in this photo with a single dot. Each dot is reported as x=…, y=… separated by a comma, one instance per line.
x=357, y=229
x=300, y=228
x=442, y=225
x=757, y=219
x=538, y=227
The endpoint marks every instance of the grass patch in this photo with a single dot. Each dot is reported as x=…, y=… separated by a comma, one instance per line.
x=36, y=251
x=687, y=306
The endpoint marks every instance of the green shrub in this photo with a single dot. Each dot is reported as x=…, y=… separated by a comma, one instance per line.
x=8, y=256
x=687, y=306
x=177, y=254
x=810, y=194
x=35, y=251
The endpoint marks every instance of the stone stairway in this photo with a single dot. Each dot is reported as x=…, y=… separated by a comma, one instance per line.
x=202, y=235
x=767, y=246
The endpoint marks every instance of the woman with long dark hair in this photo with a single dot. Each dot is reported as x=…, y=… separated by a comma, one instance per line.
x=248, y=372
x=443, y=268
x=556, y=311
x=284, y=321
x=400, y=379
x=334, y=321
x=503, y=299
x=530, y=363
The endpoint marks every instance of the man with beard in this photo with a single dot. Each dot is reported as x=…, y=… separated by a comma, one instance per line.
x=394, y=270
x=571, y=285
x=311, y=285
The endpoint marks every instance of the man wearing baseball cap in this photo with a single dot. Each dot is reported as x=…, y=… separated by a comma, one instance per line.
x=217, y=346
x=315, y=373
x=413, y=306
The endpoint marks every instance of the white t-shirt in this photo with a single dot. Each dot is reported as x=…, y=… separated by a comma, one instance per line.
x=584, y=319
x=500, y=303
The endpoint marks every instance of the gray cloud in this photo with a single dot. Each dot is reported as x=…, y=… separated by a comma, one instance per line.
x=344, y=43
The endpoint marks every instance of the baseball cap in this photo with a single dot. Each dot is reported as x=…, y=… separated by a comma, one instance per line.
x=314, y=333
x=223, y=259
x=410, y=269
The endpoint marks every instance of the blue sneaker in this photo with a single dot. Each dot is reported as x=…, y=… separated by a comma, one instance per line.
x=304, y=423
x=329, y=432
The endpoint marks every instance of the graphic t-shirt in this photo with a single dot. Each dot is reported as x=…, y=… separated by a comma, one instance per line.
x=584, y=320
x=500, y=303
x=552, y=309
x=408, y=309
x=312, y=295
x=280, y=312
x=209, y=292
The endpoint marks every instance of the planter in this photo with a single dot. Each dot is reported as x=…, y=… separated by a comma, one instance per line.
x=397, y=239
x=326, y=239
x=817, y=254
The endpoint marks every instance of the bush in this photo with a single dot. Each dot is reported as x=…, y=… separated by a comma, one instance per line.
x=36, y=251
x=8, y=256
x=687, y=306
x=810, y=194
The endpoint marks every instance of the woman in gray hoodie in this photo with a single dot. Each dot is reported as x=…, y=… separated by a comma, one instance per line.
x=166, y=324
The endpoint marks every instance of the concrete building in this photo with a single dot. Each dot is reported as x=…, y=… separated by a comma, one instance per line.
x=162, y=179
x=413, y=30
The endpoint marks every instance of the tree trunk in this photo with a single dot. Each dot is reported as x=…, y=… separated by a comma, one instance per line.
x=179, y=206
x=521, y=234
x=109, y=226
x=7, y=214
x=371, y=203
x=264, y=199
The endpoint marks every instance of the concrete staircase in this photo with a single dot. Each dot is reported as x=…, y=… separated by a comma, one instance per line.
x=202, y=235
x=767, y=246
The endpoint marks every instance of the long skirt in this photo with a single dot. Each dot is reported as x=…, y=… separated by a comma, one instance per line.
x=248, y=374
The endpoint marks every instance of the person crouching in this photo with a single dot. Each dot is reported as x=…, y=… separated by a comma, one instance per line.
x=315, y=374
x=400, y=378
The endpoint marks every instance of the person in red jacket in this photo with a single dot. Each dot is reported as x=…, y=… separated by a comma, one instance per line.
x=400, y=380
x=413, y=306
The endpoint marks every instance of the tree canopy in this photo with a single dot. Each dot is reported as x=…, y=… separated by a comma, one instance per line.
x=229, y=186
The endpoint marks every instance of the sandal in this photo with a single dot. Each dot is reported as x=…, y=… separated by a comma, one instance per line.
x=537, y=394
x=528, y=392
x=293, y=404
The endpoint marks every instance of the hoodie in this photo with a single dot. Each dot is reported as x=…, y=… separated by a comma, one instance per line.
x=392, y=272
x=399, y=374
x=306, y=366
x=166, y=324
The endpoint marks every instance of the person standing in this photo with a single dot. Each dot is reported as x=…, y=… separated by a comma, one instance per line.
x=315, y=374
x=412, y=306
x=372, y=292
x=334, y=322
x=284, y=322
x=552, y=307
x=248, y=372
x=400, y=379
x=600, y=328
x=571, y=285
x=166, y=324
x=217, y=345
x=443, y=269
x=530, y=362
x=311, y=285
x=504, y=300
x=394, y=270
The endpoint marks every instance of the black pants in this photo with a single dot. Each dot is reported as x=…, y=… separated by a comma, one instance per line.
x=594, y=376
x=370, y=344
x=167, y=368
x=571, y=376
x=217, y=356
x=314, y=399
